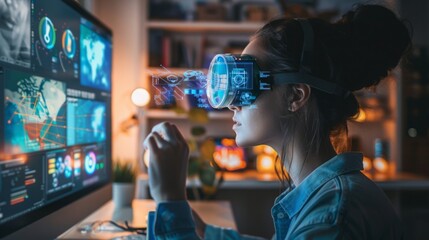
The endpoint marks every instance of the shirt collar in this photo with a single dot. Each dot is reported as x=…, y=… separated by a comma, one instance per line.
x=294, y=198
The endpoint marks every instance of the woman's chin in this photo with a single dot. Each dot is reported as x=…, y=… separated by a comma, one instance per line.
x=243, y=142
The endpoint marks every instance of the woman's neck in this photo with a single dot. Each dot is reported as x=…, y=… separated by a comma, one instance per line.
x=302, y=164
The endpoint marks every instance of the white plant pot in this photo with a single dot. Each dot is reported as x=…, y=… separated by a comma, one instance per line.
x=123, y=194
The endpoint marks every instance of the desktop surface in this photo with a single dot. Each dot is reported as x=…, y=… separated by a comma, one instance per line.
x=217, y=213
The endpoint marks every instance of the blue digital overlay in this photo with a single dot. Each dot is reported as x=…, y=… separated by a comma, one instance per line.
x=86, y=121
x=95, y=59
x=171, y=88
x=35, y=113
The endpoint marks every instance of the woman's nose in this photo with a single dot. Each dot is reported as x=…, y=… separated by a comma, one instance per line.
x=234, y=108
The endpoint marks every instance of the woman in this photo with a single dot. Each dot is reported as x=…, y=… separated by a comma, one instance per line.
x=328, y=197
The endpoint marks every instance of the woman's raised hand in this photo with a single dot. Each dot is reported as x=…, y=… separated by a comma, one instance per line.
x=168, y=162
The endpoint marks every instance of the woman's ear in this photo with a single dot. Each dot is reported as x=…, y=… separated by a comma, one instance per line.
x=301, y=94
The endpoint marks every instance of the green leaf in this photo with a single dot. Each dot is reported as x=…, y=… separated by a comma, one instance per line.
x=198, y=131
x=198, y=115
x=124, y=172
x=207, y=175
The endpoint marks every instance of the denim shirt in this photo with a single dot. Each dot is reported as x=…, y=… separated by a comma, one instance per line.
x=335, y=201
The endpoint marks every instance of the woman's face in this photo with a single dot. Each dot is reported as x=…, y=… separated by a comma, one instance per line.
x=258, y=123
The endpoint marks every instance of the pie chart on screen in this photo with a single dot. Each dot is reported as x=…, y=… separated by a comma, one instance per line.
x=90, y=162
x=68, y=166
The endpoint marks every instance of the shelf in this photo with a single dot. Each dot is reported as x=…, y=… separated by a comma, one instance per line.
x=169, y=114
x=158, y=70
x=205, y=26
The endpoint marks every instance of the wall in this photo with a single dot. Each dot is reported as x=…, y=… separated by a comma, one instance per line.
x=124, y=18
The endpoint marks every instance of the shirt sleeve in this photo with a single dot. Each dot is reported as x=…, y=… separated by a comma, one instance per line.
x=173, y=220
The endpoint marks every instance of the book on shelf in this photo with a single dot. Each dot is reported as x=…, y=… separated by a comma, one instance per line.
x=194, y=51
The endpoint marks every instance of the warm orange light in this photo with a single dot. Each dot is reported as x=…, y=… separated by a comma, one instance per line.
x=367, y=164
x=146, y=157
x=228, y=142
x=140, y=97
x=265, y=163
x=269, y=150
x=229, y=157
x=381, y=165
x=361, y=116
x=258, y=149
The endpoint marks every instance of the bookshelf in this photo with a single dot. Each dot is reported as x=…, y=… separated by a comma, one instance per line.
x=206, y=37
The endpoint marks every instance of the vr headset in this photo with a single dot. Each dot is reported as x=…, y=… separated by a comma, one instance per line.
x=237, y=80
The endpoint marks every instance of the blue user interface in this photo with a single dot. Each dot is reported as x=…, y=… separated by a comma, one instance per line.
x=55, y=83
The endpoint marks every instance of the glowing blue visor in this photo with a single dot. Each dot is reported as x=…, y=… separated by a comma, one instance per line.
x=237, y=80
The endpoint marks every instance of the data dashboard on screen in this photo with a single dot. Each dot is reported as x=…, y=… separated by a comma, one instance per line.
x=55, y=83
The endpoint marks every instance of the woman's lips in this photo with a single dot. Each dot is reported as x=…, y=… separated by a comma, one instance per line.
x=236, y=124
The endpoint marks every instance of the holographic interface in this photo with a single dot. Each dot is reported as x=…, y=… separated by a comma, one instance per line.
x=86, y=121
x=95, y=58
x=56, y=48
x=230, y=80
x=55, y=118
x=35, y=112
x=170, y=87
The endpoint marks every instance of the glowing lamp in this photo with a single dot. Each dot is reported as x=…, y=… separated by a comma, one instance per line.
x=367, y=164
x=229, y=156
x=265, y=163
x=140, y=97
x=381, y=165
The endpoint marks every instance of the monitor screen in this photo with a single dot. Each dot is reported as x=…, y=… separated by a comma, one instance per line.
x=55, y=119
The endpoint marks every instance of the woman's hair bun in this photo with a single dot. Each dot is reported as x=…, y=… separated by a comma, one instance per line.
x=374, y=40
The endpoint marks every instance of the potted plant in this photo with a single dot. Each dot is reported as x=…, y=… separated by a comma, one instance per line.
x=124, y=176
x=201, y=162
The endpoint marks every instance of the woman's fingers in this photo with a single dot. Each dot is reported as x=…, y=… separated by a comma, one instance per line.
x=154, y=142
x=177, y=133
x=166, y=131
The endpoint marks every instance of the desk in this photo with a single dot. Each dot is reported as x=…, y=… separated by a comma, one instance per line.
x=213, y=212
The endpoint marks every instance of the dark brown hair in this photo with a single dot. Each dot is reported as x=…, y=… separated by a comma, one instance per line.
x=356, y=52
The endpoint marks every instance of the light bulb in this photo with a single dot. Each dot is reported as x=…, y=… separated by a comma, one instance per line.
x=140, y=97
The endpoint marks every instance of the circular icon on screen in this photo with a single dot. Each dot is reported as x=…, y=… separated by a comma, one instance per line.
x=59, y=165
x=68, y=166
x=47, y=32
x=90, y=162
x=55, y=182
x=69, y=44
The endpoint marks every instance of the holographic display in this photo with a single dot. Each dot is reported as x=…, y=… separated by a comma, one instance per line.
x=86, y=121
x=47, y=33
x=55, y=133
x=232, y=80
x=15, y=32
x=94, y=163
x=34, y=113
x=56, y=49
x=171, y=87
x=60, y=171
x=95, y=59
x=20, y=182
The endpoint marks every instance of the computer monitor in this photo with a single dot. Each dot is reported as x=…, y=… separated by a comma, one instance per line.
x=55, y=119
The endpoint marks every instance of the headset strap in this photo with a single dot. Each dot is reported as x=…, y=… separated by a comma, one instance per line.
x=305, y=74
